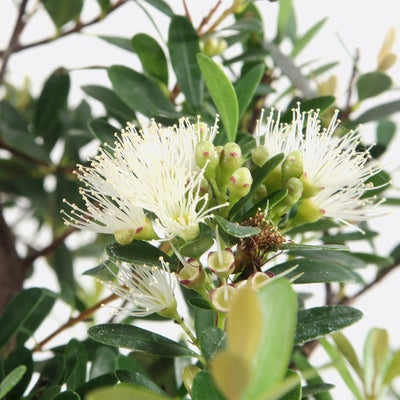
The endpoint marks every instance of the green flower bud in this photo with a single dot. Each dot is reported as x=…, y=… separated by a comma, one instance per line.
x=274, y=180
x=239, y=183
x=206, y=153
x=295, y=188
x=260, y=193
x=192, y=274
x=292, y=166
x=307, y=212
x=214, y=46
x=260, y=155
x=230, y=160
x=124, y=236
x=309, y=189
x=221, y=297
x=221, y=262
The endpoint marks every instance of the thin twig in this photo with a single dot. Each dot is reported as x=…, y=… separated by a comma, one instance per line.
x=349, y=107
x=73, y=321
x=187, y=13
x=329, y=295
x=207, y=18
x=14, y=40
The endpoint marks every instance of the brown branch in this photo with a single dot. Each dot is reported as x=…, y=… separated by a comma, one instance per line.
x=187, y=13
x=76, y=29
x=73, y=321
x=14, y=40
x=207, y=18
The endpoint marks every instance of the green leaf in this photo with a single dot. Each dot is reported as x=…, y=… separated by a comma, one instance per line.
x=104, y=362
x=317, y=271
x=378, y=112
x=110, y=101
x=105, y=5
x=103, y=271
x=385, y=133
x=11, y=380
x=67, y=395
x=302, y=42
x=235, y=229
x=212, y=339
x=76, y=359
x=45, y=393
x=258, y=178
x=203, y=319
x=350, y=236
x=137, y=379
x=246, y=86
x=372, y=83
x=369, y=258
x=195, y=248
x=151, y=56
x=380, y=181
x=162, y=6
x=183, y=45
x=137, y=339
x=314, y=323
x=200, y=302
x=124, y=391
x=246, y=25
x=316, y=388
x=286, y=21
x=204, y=387
x=99, y=382
x=393, y=369
x=222, y=93
x=63, y=11
x=18, y=310
x=102, y=130
x=321, y=225
x=140, y=93
x=340, y=366
x=121, y=42
x=295, y=382
x=138, y=252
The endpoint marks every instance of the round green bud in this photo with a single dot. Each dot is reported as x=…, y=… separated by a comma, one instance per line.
x=124, y=236
x=214, y=46
x=292, y=166
x=221, y=297
x=295, y=188
x=260, y=193
x=260, y=155
x=239, y=183
x=206, y=153
x=230, y=160
x=221, y=262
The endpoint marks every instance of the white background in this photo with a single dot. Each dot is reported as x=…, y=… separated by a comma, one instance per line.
x=361, y=24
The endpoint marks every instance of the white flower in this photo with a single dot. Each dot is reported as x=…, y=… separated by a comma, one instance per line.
x=149, y=288
x=332, y=165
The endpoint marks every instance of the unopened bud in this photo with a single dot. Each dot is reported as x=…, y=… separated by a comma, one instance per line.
x=124, y=236
x=260, y=155
x=307, y=212
x=260, y=193
x=295, y=190
x=239, y=183
x=221, y=262
x=213, y=46
x=292, y=166
x=206, y=153
x=230, y=160
x=274, y=180
x=192, y=274
x=221, y=297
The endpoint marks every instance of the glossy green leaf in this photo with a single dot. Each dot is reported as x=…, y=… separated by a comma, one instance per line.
x=138, y=252
x=204, y=388
x=212, y=339
x=103, y=130
x=311, y=376
x=67, y=395
x=246, y=86
x=11, y=380
x=278, y=306
x=76, y=360
x=105, y=361
x=341, y=367
x=317, y=322
x=317, y=271
x=378, y=112
x=203, y=319
x=99, y=382
x=303, y=41
x=271, y=200
x=315, y=389
x=385, y=133
x=105, y=5
x=18, y=310
x=137, y=339
x=393, y=369
x=200, y=302
x=151, y=56
x=63, y=11
x=222, y=93
x=296, y=392
x=347, y=237
x=105, y=271
x=183, y=45
x=52, y=372
x=137, y=379
x=162, y=6
x=372, y=83
x=121, y=42
x=195, y=248
x=110, y=101
x=258, y=178
x=235, y=229
x=140, y=93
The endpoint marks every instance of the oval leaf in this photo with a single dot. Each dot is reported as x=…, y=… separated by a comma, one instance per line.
x=211, y=340
x=63, y=11
x=137, y=339
x=235, y=229
x=372, y=84
x=138, y=379
x=124, y=391
x=314, y=323
x=222, y=93
x=204, y=388
x=11, y=380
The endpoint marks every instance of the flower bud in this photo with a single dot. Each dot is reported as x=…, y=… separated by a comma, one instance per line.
x=221, y=297
x=274, y=180
x=214, y=46
x=192, y=274
x=124, y=236
x=307, y=212
x=292, y=166
x=295, y=190
x=230, y=160
x=221, y=262
x=260, y=155
x=239, y=183
x=206, y=153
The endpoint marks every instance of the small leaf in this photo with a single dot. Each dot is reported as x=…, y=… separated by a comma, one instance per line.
x=203, y=319
x=162, y=6
x=103, y=362
x=246, y=25
x=195, y=248
x=138, y=252
x=11, y=380
x=67, y=395
x=246, y=86
x=200, y=302
x=137, y=339
x=103, y=272
x=121, y=42
x=222, y=93
x=212, y=339
x=286, y=21
x=316, y=388
x=151, y=56
x=76, y=360
x=393, y=369
x=327, y=247
x=235, y=229
x=137, y=379
x=103, y=130
x=378, y=112
x=372, y=83
x=124, y=391
x=63, y=11
x=140, y=93
x=183, y=45
x=204, y=388
x=314, y=323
